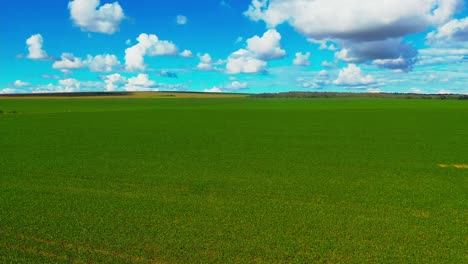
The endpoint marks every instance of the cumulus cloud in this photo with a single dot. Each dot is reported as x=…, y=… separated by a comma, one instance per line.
x=454, y=32
x=114, y=81
x=69, y=62
x=352, y=76
x=244, y=61
x=99, y=63
x=324, y=73
x=70, y=85
x=186, y=54
x=36, y=52
x=148, y=45
x=364, y=20
x=103, y=63
x=365, y=29
x=302, y=59
x=267, y=47
x=89, y=16
x=206, y=63
x=259, y=50
x=141, y=83
x=64, y=86
x=181, y=20
x=235, y=85
x=389, y=53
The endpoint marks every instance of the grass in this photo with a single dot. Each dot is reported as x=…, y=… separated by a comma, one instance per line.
x=233, y=180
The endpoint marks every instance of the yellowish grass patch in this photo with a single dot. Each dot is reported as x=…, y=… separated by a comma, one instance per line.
x=456, y=166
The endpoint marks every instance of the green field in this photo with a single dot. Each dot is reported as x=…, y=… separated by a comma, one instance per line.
x=196, y=180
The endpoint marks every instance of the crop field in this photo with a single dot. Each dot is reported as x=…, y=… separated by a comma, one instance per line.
x=244, y=180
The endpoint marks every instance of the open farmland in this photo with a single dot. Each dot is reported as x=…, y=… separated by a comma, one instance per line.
x=184, y=180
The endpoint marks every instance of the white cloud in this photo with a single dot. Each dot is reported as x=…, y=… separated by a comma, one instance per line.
x=103, y=63
x=206, y=62
x=243, y=61
x=89, y=16
x=354, y=19
x=64, y=86
x=99, y=63
x=237, y=85
x=213, y=90
x=267, y=47
x=35, y=47
x=302, y=59
x=181, y=20
x=186, y=54
x=148, y=45
x=352, y=76
x=19, y=83
x=114, y=82
x=324, y=45
x=365, y=29
x=454, y=32
x=443, y=51
x=259, y=50
x=70, y=85
x=69, y=62
x=324, y=73
x=431, y=56
x=140, y=83
x=109, y=83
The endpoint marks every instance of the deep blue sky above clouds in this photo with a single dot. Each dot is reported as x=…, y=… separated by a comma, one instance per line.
x=417, y=46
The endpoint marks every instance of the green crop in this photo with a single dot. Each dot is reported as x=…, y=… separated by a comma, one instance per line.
x=233, y=180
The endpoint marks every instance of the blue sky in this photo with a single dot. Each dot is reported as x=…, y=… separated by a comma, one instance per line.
x=247, y=46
